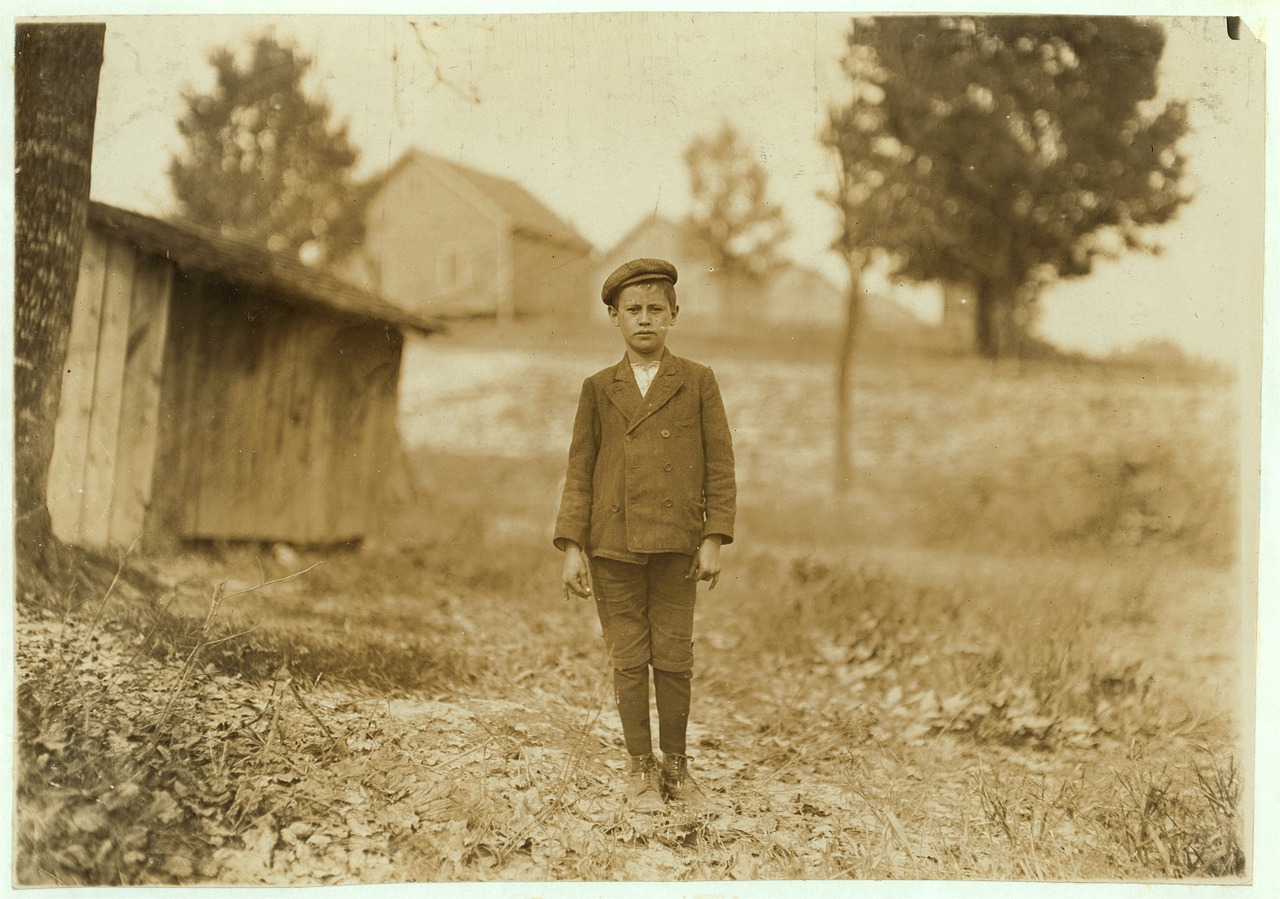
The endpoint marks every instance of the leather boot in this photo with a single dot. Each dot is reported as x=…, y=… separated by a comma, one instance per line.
x=680, y=787
x=644, y=793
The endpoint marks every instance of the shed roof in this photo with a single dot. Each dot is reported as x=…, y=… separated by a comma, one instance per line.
x=199, y=248
x=529, y=215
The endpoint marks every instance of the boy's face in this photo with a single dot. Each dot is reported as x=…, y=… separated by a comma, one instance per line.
x=644, y=314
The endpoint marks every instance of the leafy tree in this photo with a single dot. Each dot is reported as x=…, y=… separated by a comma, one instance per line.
x=1003, y=152
x=262, y=161
x=55, y=106
x=738, y=229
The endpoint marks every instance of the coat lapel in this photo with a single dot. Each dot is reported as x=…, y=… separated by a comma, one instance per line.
x=622, y=391
x=665, y=384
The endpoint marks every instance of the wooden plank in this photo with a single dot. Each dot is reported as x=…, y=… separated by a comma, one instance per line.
x=190, y=410
x=348, y=418
x=312, y=515
x=350, y=471
x=280, y=375
x=296, y=449
x=270, y=413
x=296, y=452
x=353, y=360
x=220, y=435
x=351, y=450
x=159, y=524
x=140, y=403
x=251, y=322
x=197, y=413
x=170, y=494
x=217, y=449
x=380, y=442
x=108, y=381
x=275, y=480
x=251, y=406
x=371, y=460
x=71, y=436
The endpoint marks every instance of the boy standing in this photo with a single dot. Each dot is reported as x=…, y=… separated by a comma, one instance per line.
x=648, y=501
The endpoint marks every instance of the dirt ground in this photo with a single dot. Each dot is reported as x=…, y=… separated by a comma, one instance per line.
x=958, y=673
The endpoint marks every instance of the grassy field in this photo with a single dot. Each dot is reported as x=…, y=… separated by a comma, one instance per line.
x=947, y=450
x=1015, y=651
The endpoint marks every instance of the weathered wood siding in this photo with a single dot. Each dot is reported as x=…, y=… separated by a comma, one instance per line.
x=103, y=461
x=277, y=421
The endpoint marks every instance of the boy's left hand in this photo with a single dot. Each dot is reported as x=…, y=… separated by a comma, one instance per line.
x=706, y=563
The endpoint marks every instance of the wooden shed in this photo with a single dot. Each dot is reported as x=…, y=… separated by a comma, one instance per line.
x=215, y=392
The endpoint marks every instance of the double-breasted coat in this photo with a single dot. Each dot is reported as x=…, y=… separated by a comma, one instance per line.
x=651, y=473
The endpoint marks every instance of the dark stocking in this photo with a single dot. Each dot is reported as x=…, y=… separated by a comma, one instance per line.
x=631, y=690
x=672, y=689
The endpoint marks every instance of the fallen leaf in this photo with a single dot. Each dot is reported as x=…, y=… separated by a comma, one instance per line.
x=178, y=866
x=165, y=807
x=89, y=819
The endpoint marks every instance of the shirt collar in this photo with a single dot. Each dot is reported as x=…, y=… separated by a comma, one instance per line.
x=634, y=364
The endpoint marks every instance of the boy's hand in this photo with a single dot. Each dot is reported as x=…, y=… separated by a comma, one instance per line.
x=576, y=576
x=706, y=564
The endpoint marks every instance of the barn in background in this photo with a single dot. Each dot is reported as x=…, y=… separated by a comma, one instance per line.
x=447, y=239
x=214, y=392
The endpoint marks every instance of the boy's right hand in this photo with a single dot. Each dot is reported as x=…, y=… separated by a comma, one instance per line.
x=577, y=576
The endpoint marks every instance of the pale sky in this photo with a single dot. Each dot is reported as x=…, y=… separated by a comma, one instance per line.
x=592, y=112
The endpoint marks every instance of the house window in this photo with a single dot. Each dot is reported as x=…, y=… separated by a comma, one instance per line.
x=453, y=267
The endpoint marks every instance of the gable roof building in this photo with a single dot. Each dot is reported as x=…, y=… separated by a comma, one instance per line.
x=792, y=294
x=446, y=239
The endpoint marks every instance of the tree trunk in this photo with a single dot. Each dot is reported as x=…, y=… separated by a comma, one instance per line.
x=55, y=99
x=845, y=362
x=993, y=320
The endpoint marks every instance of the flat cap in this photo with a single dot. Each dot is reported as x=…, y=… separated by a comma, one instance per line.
x=634, y=272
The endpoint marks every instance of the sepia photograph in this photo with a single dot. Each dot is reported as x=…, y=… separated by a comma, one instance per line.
x=700, y=449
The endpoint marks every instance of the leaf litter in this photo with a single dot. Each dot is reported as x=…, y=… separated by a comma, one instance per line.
x=840, y=754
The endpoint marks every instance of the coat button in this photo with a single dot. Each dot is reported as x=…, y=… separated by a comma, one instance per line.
x=667, y=467
x=667, y=503
x=615, y=507
x=666, y=433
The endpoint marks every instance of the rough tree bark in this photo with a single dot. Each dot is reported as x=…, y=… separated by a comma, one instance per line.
x=845, y=363
x=55, y=103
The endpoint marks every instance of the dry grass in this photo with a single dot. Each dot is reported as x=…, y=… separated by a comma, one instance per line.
x=950, y=452
x=931, y=679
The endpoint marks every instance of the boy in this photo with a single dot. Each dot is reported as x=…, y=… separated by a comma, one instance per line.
x=648, y=501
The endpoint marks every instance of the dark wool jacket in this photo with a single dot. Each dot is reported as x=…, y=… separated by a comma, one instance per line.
x=648, y=474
